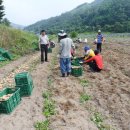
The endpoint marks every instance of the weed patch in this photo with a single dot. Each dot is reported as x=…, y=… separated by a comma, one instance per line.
x=42, y=125
x=84, y=97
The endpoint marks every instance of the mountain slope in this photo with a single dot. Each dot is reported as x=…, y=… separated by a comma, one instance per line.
x=109, y=15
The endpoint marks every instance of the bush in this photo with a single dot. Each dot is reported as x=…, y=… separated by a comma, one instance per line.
x=73, y=34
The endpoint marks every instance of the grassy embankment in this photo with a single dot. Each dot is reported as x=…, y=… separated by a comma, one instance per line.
x=18, y=42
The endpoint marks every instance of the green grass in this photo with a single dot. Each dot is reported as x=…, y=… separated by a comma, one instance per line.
x=46, y=94
x=84, y=97
x=49, y=105
x=99, y=121
x=3, y=63
x=49, y=108
x=16, y=41
x=44, y=125
x=84, y=82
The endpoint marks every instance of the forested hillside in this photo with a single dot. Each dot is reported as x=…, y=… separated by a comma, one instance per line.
x=108, y=15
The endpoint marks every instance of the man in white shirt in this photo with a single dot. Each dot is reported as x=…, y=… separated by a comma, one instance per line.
x=43, y=46
x=66, y=44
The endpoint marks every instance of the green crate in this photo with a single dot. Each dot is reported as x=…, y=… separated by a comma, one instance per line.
x=7, y=55
x=75, y=62
x=49, y=50
x=9, y=105
x=2, y=58
x=77, y=71
x=23, y=78
x=25, y=90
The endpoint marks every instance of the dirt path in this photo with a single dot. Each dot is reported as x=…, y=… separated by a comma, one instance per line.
x=30, y=109
x=4, y=71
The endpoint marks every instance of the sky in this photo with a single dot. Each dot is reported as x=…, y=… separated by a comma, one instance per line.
x=26, y=12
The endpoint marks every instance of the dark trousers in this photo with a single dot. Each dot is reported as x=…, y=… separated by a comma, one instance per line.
x=99, y=47
x=44, y=51
x=94, y=66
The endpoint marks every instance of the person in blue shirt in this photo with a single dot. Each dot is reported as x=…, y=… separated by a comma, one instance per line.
x=99, y=41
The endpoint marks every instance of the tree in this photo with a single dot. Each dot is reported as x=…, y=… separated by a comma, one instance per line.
x=1, y=10
x=6, y=22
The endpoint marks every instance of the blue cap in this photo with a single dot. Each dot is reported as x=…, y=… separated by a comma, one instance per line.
x=86, y=48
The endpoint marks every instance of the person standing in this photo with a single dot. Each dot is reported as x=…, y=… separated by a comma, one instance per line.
x=43, y=46
x=66, y=44
x=99, y=41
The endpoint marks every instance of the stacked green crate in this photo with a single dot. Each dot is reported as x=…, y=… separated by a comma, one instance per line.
x=75, y=62
x=25, y=83
x=77, y=71
x=7, y=106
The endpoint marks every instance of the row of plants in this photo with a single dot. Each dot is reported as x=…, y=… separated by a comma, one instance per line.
x=96, y=117
x=48, y=104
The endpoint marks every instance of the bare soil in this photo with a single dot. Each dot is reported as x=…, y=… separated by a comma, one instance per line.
x=110, y=92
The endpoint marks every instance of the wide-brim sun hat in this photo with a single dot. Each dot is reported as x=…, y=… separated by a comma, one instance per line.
x=62, y=34
x=99, y=31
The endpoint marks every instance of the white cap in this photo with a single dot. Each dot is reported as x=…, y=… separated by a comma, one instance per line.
x=99, y=31
x=62, y=33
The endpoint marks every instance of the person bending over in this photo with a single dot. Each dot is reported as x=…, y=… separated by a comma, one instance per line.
x=96, y=62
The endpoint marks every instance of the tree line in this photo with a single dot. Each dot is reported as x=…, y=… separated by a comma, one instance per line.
x=107, y=15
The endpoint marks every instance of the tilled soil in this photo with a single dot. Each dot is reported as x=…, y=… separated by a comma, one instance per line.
x=71, y=115
x=110, y=92
x=111, y=88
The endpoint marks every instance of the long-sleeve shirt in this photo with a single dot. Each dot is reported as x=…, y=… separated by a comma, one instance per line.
x=65, y=47
x=98, y=59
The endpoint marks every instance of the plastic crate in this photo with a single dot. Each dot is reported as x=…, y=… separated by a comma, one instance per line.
x=25, y=90
x=9, y=105
x=23, y=78
x=2, y=58
x=7, y=55
x=75, y=62
x=77, y=71
x=49, y=50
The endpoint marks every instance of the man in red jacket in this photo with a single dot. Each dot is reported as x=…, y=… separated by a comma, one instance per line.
x=96, y=62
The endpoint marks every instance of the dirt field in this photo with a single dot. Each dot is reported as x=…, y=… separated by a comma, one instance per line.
x=109, y=90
